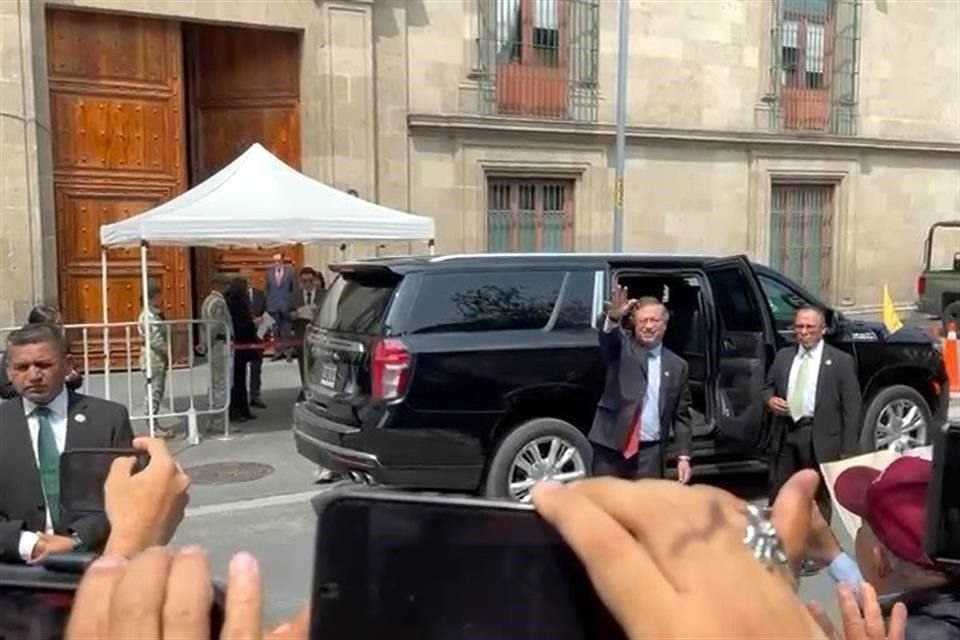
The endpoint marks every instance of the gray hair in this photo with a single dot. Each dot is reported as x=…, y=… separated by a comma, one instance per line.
x=649, y=301
x=43, y=333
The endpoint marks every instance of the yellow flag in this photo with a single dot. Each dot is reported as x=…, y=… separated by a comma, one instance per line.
x=891, y=319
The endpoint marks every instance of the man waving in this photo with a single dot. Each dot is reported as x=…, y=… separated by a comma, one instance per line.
x=646, y=398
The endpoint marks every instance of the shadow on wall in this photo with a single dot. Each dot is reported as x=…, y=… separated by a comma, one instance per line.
x=385, y=25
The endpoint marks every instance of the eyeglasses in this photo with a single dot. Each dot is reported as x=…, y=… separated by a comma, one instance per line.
x=808, y=327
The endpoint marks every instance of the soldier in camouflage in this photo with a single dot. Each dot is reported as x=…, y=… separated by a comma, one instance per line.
x=216, y=329
x=155, y=348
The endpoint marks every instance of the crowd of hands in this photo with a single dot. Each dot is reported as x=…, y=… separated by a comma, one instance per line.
x=683, y=573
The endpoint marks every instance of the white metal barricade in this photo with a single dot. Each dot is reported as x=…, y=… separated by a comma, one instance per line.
x=123, y=376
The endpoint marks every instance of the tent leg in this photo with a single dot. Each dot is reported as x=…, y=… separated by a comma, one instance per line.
x=106, y=321
x=144, y=349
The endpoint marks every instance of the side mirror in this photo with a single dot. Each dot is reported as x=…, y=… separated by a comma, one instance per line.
x=956, y=261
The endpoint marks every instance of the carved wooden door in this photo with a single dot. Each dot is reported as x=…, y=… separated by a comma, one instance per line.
x=116, y=102
x=244, y=88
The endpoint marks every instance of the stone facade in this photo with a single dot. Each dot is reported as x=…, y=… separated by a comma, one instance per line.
x=390, y=108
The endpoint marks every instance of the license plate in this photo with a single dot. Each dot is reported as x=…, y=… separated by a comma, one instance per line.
x=328, y=376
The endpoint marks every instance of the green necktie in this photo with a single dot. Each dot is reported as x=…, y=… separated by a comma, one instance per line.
x=800, y=386
x=49, y=457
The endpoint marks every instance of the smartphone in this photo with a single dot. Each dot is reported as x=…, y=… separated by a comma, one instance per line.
x=35, y=603
x=391, y=564
x=942, y=531
x=83, y=473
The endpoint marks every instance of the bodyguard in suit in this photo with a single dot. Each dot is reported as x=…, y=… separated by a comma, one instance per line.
x=35, y=429
x=258, y=306
x=279, y=287
x=813, y=393
x=646, y=398
x=306, y=301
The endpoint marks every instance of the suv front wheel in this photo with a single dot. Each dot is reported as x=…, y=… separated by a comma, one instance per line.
x=897, y=418
x=539, y=449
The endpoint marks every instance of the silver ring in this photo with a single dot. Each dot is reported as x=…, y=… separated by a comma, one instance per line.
x=762, y=539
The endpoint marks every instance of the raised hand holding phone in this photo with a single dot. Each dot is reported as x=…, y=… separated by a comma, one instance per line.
x=144, y=508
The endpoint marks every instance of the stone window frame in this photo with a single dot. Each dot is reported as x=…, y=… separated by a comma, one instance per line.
x=843, y=174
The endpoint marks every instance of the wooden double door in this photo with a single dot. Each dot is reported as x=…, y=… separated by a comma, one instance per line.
x=142, y=109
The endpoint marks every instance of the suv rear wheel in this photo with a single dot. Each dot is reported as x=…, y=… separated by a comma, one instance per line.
x=540, y=449
x=897, y=418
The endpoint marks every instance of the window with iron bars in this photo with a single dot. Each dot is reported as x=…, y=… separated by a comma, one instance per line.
x=538, y=58
x=816, y=50
x=801, y=234
x=529, y=215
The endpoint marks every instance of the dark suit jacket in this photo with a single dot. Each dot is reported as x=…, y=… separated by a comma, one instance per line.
x=299, y=299
x=626, y=385
x=836, y=418
x=22, y=506
x=258, y=303
x=279, y=295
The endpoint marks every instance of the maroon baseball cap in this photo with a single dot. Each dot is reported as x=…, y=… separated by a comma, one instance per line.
x=892, y=501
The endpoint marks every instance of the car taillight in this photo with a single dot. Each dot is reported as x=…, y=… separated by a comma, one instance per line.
x=389, y=369
x=921, y=285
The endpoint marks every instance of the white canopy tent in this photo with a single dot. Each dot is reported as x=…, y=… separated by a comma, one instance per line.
x=255, y=201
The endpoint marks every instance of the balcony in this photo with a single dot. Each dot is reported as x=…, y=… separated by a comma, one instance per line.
x=538, y=59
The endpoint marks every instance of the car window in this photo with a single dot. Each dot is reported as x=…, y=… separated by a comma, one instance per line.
x=357, y=304
x=782, y=300
x=486, y=301
x=734, y=299
x=577, y=303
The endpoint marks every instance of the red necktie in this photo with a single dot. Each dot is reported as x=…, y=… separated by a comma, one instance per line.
x=632, y=444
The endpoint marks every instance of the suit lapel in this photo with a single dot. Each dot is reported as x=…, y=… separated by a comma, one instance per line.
x=665, y=362
x=19, y=447
x=826, y=366
x=76, y=421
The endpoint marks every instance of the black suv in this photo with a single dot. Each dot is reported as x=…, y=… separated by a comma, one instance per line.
x=482, y=372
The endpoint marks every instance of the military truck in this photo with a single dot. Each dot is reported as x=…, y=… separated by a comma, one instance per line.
x=938, y=288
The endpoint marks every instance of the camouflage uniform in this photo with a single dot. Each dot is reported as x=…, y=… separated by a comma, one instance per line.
x=214, y=310
x=155, y=348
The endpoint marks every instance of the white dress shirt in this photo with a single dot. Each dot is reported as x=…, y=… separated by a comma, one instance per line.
x=813, y=375
x=59, y=413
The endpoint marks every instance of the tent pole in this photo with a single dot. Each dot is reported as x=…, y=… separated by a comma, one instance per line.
x=432, y=246
x=145, y=347
x=106, y=321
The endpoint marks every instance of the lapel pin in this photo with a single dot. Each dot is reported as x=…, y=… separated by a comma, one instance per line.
x=80, y=418
x=829, y=362
x=666, y=374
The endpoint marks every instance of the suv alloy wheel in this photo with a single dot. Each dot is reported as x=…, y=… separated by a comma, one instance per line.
x=897, y=418
x=540, y=449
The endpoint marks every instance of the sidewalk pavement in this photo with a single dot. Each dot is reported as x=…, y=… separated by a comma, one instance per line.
x=266, y=440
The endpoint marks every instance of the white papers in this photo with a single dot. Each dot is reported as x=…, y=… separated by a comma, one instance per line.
x=306, y=312
x=266, y=323
x=877, y=460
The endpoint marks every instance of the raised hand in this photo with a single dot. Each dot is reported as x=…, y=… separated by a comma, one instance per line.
x=621, y=303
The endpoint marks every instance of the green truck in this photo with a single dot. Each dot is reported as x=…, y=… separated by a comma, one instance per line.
x=938, y=288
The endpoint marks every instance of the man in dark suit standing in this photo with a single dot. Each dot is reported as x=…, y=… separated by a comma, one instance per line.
x=279, y=290
x=813, y=393
x=258, y=306
x=35, y=429
x=306, y=301
x=646, y=398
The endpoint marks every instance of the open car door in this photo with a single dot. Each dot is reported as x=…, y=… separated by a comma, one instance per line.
x=743, y=345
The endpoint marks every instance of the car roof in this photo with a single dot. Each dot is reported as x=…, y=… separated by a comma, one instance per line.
x=410, y=263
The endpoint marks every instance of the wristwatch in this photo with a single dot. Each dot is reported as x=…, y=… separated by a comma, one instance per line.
x=77, y=541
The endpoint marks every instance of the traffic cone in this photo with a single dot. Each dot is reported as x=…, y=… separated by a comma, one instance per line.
x=951, y=358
